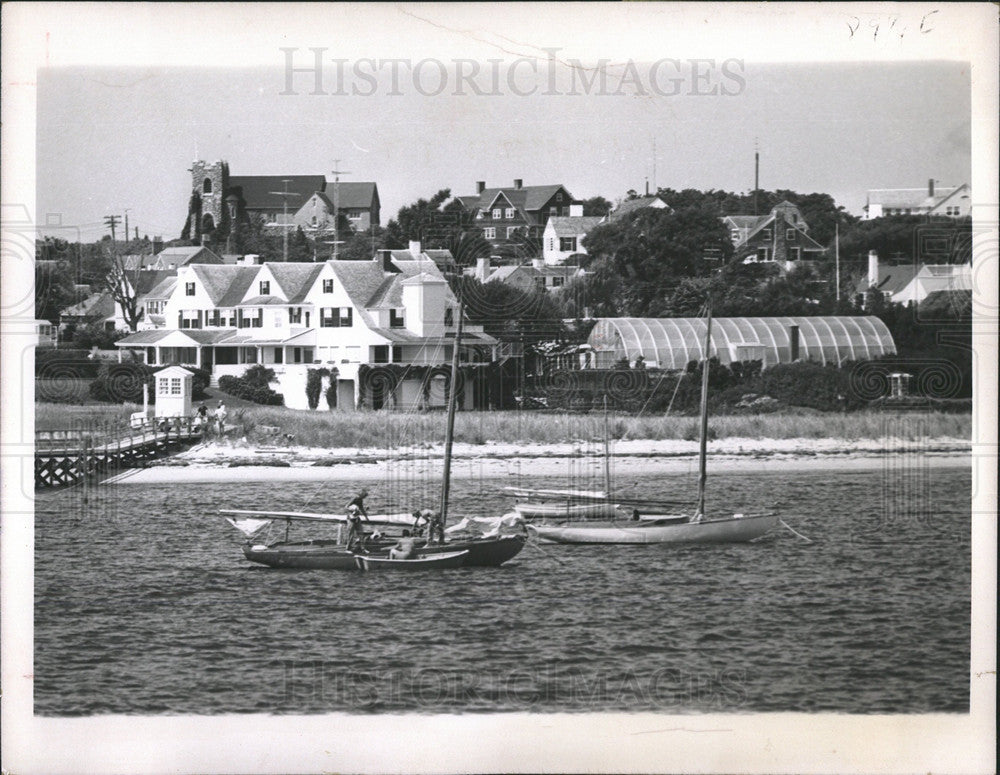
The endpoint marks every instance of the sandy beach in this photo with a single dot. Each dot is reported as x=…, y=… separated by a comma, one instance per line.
x=506, y=463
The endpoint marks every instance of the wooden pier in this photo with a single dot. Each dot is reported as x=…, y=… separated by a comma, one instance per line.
x=68, y=456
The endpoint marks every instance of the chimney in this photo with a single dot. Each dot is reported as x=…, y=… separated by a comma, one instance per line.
x=872, y=268
x=575, y=211
x=384, y=257
x=415, y=248
x=482, y=269
x=251, y=258
x=157, y=245
x=480, y=186
x=518, y=183
x=930, y=187
x=538, y=263
x=647, y=186
x=793, y=335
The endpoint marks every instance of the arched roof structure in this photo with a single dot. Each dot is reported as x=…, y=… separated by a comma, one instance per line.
x=670, y=343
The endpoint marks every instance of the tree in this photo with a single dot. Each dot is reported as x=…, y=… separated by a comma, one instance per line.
x=596, y=205
x=54, y=289
x=362, y=245
x=422, y=219
x=652, y=250
x=122, y=282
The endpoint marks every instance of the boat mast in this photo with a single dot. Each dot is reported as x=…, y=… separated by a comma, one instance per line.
x=450, y=427
x=607, y=455
x=704, y=415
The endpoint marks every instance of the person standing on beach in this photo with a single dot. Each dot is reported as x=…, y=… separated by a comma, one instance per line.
x=220, y=417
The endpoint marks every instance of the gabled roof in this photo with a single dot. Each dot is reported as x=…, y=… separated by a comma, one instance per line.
x=182, y=256
x=574, y=225
x=631, y=205
x=164, y=288
x=98, y=305
x=296, y=280
x=350, y=194
x=258, y=190
x=390, y=291
x=501, y=273
x=526, y=198
x=138, y=260
x=892, y=279
x=908, y=197
x=148, y=279
x=225, y=284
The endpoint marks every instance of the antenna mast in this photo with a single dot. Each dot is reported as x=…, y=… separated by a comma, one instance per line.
x=284, y=219
x=336, y=205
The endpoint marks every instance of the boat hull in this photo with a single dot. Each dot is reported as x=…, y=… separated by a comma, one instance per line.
x=709, y=531
x=555, y=510
x=437, y=561
x=310, y=556
x=482, y=552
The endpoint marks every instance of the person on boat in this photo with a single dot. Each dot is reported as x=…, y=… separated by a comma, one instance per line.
x=635, y=515
x=355, y=511
x=403, y=549
x=435, y=527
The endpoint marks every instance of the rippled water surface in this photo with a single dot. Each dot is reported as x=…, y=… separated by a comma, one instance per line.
x=145, y=604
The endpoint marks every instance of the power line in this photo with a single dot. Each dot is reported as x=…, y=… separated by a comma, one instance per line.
x=111, y=221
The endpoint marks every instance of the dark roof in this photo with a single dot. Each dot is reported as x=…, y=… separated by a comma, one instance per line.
x=257, y=190
x=526, y=198
x=352, y=194
x=892, y=279
x=182, y=256
x=148, y=279
x=98, y=305
x=573, y=225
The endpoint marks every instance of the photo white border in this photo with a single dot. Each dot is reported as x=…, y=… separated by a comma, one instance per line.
x=37, y=35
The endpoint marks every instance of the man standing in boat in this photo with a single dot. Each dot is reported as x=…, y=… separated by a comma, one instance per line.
x=355, y=511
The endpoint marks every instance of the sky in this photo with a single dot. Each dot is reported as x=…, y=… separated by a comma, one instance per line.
x=114, y=137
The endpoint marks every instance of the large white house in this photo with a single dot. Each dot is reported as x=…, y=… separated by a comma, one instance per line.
x=351, y=316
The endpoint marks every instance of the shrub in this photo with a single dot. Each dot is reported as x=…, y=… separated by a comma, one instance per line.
x=65, y=364
x=253, y=386
x=122, y=382
x=314, y=385
x=200, y=380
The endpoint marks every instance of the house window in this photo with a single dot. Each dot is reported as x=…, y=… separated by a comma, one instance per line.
x=294, y=315
x=509, y=213
x=567, y=244
x=346, y=317
x=559, y=197
x=216, y=318
x=511, y=231
x=258, y=322
x=175, y=386
x=449, y=316
x=328, y=286
x=307, y=354
x=490, y=233
x=336, y=317
x=557, y=281
x=790, y=235
x=794, y=254
x=396, y=318
x=766, y=234
x=397, y=353
x=279, y=355
x=762, y=254
x=380, y=353
x=265, y=287
x=496, y=213
x=189, y=289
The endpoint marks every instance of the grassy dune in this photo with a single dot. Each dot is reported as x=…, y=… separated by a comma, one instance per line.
x=389, y=429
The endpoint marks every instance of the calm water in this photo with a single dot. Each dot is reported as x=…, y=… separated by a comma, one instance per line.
x=145, y=604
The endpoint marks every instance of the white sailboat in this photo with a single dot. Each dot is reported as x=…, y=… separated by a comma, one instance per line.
x=694, y=528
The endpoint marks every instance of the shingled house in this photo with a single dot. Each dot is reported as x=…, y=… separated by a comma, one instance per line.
x=780, y=236
x=518, y=211
x=347, y=316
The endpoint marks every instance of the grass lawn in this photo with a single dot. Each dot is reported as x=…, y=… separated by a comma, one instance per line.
x=337, y=429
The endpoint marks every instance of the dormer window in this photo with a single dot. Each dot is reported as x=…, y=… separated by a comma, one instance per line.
x=509, y=213
x=766, y=234
x=265, y=287
x=396, y=318
x=559, y=197
x=496, y=213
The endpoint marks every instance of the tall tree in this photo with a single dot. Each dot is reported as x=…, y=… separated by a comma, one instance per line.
x=420, y=220
x=122, y=282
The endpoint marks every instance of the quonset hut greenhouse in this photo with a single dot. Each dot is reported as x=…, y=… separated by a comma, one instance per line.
x=670, y=343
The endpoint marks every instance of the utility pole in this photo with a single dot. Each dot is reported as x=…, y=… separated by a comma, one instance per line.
x=284, y=219
x=756, y=174
x=336, y=205
x=836, y=253
x=111, y=221
x=126, y=223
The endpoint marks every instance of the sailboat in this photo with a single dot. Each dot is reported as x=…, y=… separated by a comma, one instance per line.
x=489, y=549
x=694, y=528
x=468, y=545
